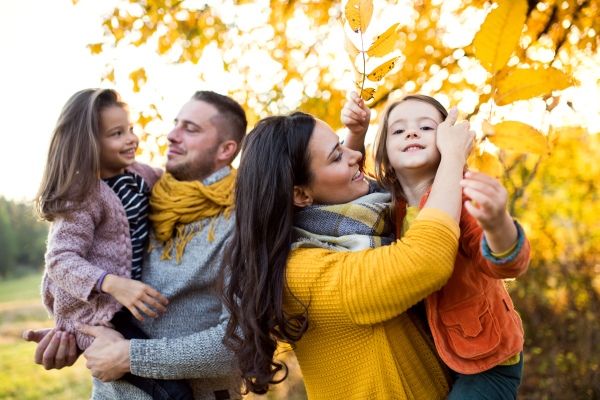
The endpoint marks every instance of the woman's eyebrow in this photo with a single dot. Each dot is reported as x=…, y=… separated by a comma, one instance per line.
x=332, y=150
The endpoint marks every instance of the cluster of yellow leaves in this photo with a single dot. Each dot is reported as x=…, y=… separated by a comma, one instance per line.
x=176, y=25
x=358, y=15
x=493, y=46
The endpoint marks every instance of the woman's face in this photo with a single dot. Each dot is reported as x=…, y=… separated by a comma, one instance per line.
x=337, y=178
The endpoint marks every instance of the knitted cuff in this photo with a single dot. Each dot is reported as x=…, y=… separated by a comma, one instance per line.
x=487, y=252
x=100, y=281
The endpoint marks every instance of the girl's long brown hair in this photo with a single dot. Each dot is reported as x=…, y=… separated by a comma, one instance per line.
x=384, y=172
x=73, y=162
x=275, y=158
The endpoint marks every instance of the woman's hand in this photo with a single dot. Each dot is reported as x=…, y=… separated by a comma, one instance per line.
x=133, y=295
x=356, y=116
x=455, y=140
x=56, y=349
x=490, y=212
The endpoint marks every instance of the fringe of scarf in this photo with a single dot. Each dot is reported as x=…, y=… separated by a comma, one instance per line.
x=178, y=210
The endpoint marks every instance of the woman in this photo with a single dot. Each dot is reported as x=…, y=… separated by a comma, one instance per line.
x=344, y=312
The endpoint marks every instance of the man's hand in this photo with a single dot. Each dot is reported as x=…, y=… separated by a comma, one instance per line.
x=491, y=215
x=455, y=140
x=356, y=116
x=108, y=356
x=55, y=350
x=133, y=295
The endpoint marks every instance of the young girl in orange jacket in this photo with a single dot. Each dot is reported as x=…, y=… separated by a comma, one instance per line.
x=472, y=321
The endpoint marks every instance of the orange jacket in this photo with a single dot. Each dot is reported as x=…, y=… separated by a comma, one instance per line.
x=472, y=318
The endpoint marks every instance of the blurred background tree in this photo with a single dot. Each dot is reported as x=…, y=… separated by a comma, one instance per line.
x=22, y=240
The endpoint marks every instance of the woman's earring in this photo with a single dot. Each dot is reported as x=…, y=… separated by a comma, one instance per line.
x=310, y=202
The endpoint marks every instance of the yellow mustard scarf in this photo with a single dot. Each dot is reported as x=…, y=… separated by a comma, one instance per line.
x=175, y=204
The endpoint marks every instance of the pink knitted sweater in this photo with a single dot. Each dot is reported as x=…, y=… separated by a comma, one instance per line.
x=95, y=239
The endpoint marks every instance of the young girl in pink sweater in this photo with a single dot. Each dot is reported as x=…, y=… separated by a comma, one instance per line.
x=97, y=198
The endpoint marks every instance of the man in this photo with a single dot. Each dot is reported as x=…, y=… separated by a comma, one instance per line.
x=191, y=214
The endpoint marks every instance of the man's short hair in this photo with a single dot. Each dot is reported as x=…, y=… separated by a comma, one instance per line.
x=231, y=121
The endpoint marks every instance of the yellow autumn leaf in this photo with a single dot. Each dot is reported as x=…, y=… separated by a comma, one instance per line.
x=488, y=129
x=136, y=77
x=359, y=13
x=385, y=43
x=525, y=84
x=111, y=76
x=518, y=136
x=489, y=164
x=367, y=94
x=349, y=46
x=381, y=71
x=500, y=34
x=95, y=48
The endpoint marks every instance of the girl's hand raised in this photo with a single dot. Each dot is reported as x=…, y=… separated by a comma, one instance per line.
x=491, y=215
x=356, y=116
x=455, y=140
x=134, y=295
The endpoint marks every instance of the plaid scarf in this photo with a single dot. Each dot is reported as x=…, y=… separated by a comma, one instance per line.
x=358, y=225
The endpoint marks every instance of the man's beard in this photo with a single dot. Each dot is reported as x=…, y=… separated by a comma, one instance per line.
x=195, y=170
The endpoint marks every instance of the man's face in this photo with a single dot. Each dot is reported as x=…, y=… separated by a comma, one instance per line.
x=193, y=142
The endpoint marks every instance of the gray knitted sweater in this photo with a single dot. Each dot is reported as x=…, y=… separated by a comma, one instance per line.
x=187, y=339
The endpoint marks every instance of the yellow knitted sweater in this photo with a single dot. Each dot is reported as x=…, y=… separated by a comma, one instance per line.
x=362, y=343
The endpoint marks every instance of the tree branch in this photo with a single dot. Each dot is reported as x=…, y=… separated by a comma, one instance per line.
x=520, y=191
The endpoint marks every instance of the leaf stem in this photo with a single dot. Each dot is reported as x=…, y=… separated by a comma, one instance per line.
x=362, y=47
x=493, y=93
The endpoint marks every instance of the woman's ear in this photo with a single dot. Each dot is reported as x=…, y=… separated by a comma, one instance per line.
x=301, y=197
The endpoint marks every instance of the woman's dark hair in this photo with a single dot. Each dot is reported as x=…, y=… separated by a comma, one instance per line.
x=275, y=158
x=73, y=163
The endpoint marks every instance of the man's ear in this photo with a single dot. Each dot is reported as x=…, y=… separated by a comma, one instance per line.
x=226, y=150
x=302, y=197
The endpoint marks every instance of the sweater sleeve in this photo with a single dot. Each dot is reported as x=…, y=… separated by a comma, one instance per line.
x=200, y=355
x=379, y=284
x=471, y=244
x=68, y=243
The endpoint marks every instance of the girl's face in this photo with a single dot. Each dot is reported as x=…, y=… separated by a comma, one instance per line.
x=118, y=143
x=337, y=177
x=411, y=138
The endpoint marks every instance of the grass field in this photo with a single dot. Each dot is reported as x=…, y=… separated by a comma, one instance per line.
x=26, y=288
x=21, y=379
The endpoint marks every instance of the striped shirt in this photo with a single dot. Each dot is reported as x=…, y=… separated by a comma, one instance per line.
x=134, y=193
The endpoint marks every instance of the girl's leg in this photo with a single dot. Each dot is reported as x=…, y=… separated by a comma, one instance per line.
x=499, y=383
x=159, y=389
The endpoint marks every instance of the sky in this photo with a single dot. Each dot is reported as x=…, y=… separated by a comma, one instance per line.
x=43, y=63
